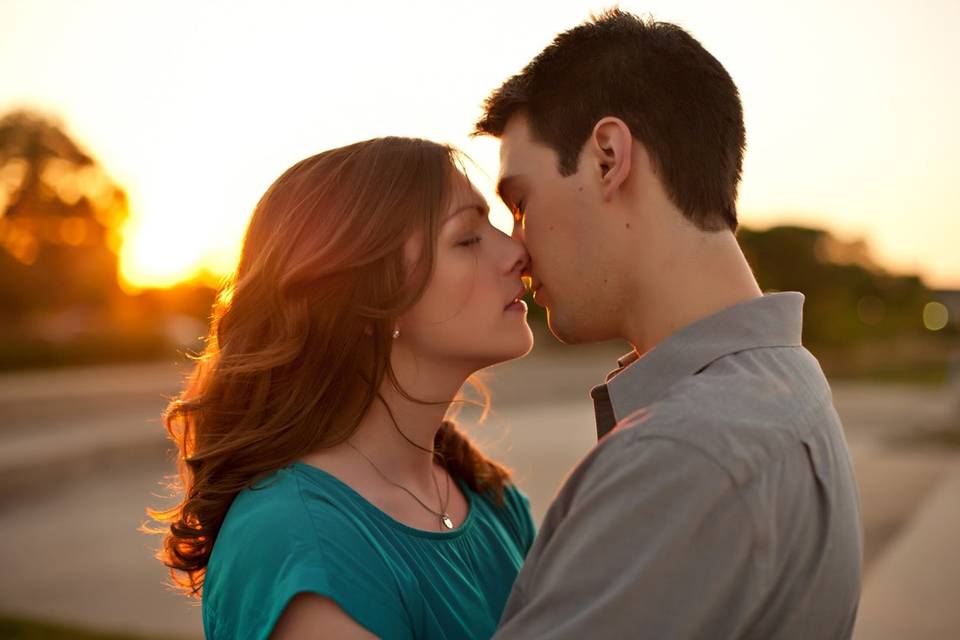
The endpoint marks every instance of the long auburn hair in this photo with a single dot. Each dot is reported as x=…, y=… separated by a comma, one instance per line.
x=300, y=335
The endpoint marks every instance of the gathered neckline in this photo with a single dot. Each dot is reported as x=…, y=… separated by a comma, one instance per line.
x=316, y=472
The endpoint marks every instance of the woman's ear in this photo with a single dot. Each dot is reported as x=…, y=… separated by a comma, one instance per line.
x=612, y=145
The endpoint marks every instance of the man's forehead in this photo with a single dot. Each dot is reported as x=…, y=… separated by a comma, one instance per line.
x=511, y=159
x=515, y=136
x=518, y=125
x=518, y=151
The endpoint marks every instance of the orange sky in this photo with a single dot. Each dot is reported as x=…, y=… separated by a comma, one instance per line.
x=196, y=107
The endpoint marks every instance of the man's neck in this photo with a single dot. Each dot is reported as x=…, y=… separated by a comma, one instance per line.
x=699, y=282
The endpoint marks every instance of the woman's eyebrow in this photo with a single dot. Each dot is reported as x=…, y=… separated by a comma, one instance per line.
x=477, y=206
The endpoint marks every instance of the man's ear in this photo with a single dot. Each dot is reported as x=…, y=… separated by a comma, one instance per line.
x=611, y=144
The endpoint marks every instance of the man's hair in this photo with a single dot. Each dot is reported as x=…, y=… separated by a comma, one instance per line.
x=675, y=97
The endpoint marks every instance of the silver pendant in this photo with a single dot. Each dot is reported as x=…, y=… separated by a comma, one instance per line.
x=446, y=521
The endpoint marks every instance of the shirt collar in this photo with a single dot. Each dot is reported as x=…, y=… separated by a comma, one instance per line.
x=771, y=320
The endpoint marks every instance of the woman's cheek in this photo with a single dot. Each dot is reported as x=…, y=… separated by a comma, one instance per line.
x=454, y=283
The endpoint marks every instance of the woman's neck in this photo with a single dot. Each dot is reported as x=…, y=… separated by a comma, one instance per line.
x=380, y=435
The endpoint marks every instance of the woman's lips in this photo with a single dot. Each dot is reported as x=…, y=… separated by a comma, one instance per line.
x=518, y=297
x=519, y=305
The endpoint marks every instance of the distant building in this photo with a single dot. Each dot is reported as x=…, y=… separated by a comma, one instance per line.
x=950, y=298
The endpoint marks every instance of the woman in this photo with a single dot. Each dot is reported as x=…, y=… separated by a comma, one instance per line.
x=325, y=493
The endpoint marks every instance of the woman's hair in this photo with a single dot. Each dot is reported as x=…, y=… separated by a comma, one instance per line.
x=300, y=336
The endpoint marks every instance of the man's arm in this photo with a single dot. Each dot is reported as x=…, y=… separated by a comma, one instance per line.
x=657, y=542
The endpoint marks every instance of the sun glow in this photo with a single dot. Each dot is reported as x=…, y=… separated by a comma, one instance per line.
x=169, y=241
x=188, y=222
x=156, y=255
x=195, y=134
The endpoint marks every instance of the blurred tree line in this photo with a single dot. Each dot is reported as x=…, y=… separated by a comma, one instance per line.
x=849, y=299
x=61, y=221
x=858, y=319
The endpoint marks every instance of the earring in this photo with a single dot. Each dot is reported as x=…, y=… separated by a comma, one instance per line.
x=396, y=333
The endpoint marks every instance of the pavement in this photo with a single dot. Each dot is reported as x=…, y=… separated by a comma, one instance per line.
x=84, y=453
x=913, y=589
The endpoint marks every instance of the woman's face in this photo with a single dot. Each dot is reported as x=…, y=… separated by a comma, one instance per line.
x=467, y=317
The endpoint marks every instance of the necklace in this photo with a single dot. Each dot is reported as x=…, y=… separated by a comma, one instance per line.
x=445, y=518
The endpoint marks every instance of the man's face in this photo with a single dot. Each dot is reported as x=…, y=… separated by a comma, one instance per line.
x=554, y=216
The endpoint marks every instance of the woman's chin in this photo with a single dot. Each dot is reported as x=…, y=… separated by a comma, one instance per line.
x=523, y=345
x=520, y=346
x=528, y=343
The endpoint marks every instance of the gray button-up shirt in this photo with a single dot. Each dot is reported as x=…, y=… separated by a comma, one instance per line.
x=723, y=505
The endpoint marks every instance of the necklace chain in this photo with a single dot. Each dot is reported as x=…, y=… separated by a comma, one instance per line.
x=445, y=519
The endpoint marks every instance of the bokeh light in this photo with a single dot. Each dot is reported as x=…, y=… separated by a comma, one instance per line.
x=935, y=316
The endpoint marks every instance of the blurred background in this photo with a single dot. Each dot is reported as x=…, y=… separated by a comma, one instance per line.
x=135, y=140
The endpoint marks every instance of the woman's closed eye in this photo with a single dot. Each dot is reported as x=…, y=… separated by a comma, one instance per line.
x=469, y=241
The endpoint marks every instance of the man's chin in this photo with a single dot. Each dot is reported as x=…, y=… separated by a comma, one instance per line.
x=557, y=330
x=567, y=332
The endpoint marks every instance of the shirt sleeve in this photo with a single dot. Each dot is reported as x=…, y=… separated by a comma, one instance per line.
x=280, y=550
x=369, y=604
x=653, y=540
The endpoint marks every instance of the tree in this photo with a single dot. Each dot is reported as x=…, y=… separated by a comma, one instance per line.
x=59, y=220
x=848, y=298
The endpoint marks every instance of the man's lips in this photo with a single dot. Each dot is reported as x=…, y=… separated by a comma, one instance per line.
x=539, y=296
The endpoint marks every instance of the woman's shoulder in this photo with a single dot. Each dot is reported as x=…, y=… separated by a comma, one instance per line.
x=515, y=501
x=516, y=496
x=279, y=510
x=281, y=538
x=266, y=523
x=515, y=512
x=266, y=501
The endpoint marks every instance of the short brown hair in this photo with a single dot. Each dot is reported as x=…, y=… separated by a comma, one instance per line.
x=675, y=97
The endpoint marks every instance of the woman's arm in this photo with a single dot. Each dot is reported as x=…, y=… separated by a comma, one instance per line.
x=310, y=616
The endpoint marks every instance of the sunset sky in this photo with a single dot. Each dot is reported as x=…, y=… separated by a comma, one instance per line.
x=195, y=107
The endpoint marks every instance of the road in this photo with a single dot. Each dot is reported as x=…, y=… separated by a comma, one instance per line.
x=84, y=455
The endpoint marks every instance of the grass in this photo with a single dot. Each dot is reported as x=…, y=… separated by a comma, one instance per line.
x=15, y=628
x=946, y=436
x=932, y=374
x=930, y=362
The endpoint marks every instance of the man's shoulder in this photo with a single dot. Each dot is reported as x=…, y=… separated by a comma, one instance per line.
x=769, y=383
x=743, y=410
x=743, y=413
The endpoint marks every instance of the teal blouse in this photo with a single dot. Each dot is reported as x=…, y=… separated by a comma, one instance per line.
x=303, y=530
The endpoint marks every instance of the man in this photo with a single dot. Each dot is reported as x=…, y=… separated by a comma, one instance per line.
x=720, y=501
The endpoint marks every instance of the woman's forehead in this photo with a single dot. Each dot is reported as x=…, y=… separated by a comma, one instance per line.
x=464, y=195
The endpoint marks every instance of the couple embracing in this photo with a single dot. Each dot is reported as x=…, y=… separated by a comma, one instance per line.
x=327, y=494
